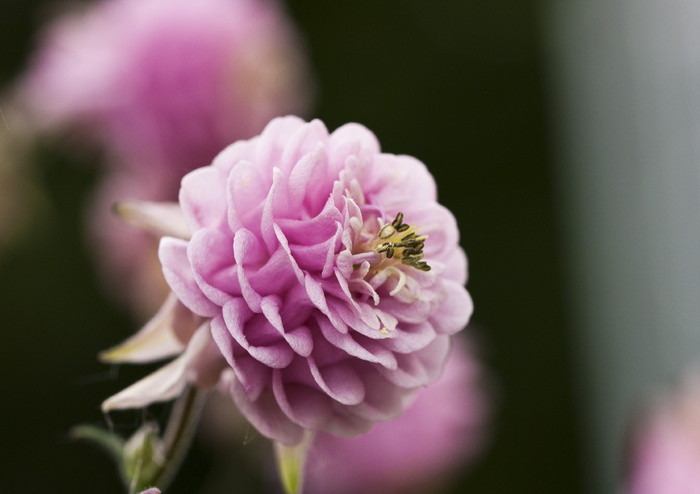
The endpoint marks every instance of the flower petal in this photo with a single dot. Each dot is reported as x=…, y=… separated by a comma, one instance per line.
x=164, y=384
x=383, y=399
x=252, y=375
x=369, y=351
x=308, y=180
x=210, y=254
x=265, y=414
x=157, y=340
x=202, y=200
x=455, y=309
x=411, y=337
x=264, y=347
x=245, y=195
x=304, y=141
x=306, y=406
x=160, y=218
x=340, y=381
x=178, y=273
x=247, y=250
x=421, y=367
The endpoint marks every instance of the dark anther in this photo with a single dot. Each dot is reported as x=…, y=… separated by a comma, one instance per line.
x=411, y=243
x=384, y=247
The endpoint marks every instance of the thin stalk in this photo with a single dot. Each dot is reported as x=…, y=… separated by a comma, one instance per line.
x=179, y=433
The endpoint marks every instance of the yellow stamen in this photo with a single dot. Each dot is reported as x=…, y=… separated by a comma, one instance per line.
x=397, y=240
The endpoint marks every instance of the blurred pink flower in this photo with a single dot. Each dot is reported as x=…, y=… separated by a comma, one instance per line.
x=438, y=433
x=326, y=277
x=160, y=86
x=166, y=84
x=666, y=447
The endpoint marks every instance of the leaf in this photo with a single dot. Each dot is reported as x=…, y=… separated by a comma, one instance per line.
x=110, y=442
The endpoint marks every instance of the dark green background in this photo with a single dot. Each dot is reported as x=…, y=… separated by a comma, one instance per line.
x=457, y=84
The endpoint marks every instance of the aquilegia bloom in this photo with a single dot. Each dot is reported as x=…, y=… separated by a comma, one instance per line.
x=325, y=279
x=665, y=452
x=438, y=433
x=160, y=86
x=166, y=83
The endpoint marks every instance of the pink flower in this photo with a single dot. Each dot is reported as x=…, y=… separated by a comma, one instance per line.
x=666, y=447
x=326, y=279
x=166, y=84
x=161, y=86
x=441, y=431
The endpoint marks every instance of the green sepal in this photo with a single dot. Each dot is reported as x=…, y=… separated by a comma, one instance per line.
x=143, y=458
x=108, y=441
x=291, y=461
x=140, y=459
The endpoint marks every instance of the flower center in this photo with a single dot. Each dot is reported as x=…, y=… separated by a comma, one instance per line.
x=397, y=242
x=402, y=242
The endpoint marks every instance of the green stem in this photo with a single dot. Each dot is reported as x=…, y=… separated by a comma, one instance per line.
x=291, y=461
x=178, y=435
x=110, y=442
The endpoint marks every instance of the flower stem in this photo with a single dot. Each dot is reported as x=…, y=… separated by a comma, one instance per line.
x=178, y=435
x=291, y=461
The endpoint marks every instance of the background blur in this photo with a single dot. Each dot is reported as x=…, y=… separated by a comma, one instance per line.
x=461, y=86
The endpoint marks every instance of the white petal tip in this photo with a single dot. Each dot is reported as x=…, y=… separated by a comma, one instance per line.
x=160, y=218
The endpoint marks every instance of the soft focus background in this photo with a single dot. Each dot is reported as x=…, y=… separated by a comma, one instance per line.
x=461, y=86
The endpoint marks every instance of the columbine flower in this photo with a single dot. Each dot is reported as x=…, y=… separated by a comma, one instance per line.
x=161, y=86
x=325, y=278
x=441, y=431
x=166, y=83
x=666, y=447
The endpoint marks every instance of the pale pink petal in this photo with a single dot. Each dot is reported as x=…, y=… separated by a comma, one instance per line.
x=252, y=375
x=156, y=340
x=340, y=381
x=160, y=218
x=203, y=201
x=455, y=309
x=216, y=276
x=173, y=256
x=419, y=368
x=164, y=384
x=266, y=415
x=305, y=140
x=306, y=406
x=267, y=348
